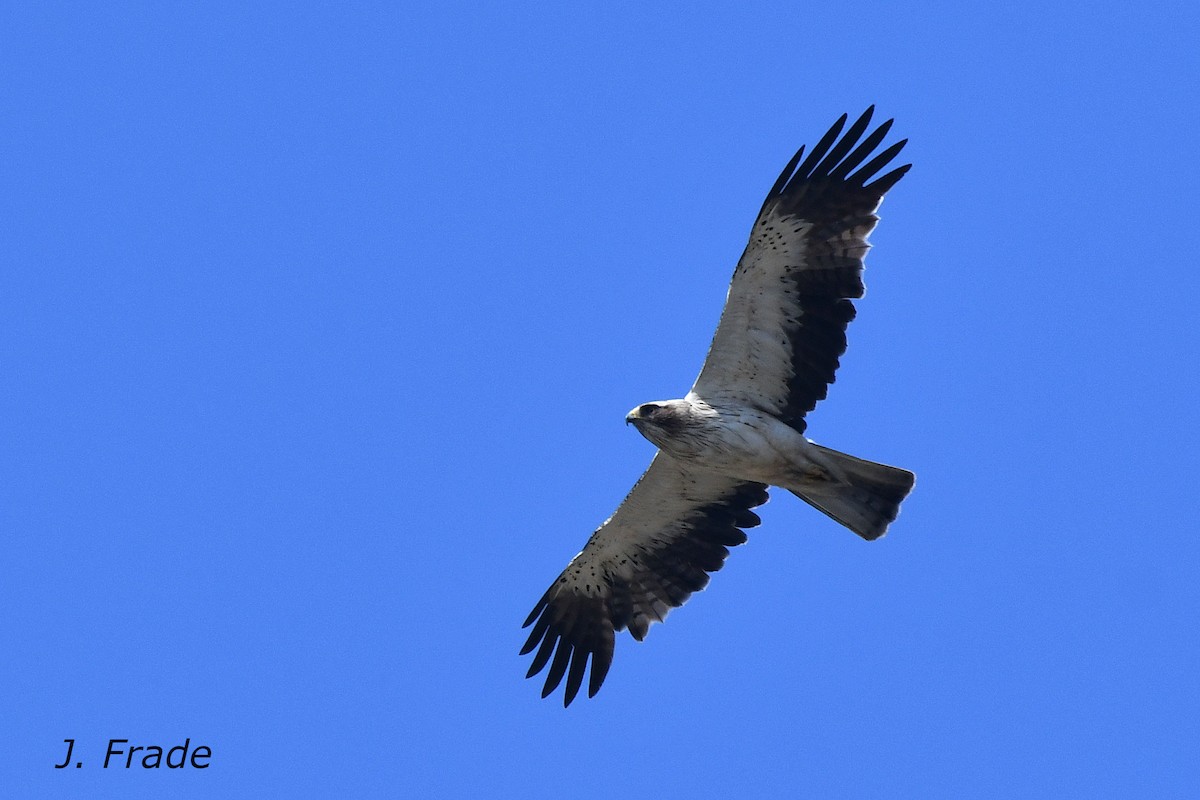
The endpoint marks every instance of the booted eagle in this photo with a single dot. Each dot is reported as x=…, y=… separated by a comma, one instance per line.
x=741, y=427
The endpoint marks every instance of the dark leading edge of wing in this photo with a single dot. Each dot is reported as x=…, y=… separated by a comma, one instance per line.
x=829, y=189
x=577, y=619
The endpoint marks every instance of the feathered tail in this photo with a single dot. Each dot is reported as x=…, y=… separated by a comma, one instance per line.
x=867, y=501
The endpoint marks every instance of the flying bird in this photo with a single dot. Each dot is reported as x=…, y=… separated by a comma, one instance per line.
x=741, y=427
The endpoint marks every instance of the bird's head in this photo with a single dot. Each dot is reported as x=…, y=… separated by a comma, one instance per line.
x=659, y=420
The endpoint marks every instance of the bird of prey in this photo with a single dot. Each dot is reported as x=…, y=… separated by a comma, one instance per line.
x=741, y=427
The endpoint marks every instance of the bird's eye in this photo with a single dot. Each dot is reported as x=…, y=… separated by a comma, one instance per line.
x=646, y=409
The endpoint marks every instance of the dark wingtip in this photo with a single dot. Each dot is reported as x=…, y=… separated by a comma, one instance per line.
x=536, y=634
x=558, y=667
x=575, y=674
x=600, y=664
x=821, y=147
x=541, y=604
x=877, y=163
x=782, y=180
x=842, y=147
x=542, y=656
x=884, y=184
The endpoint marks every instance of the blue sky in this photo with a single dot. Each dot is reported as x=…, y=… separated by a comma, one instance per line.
x=321, y=321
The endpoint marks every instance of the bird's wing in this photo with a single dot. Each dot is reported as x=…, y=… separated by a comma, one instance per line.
x=784, y=324
x=670, y=532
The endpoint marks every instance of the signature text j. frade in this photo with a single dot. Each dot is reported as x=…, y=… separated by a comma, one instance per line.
x=121, y=754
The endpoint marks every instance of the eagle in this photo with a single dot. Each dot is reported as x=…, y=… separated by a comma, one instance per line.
x=741, y=427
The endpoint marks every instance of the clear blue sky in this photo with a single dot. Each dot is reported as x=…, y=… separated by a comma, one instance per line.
x=319, y=324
